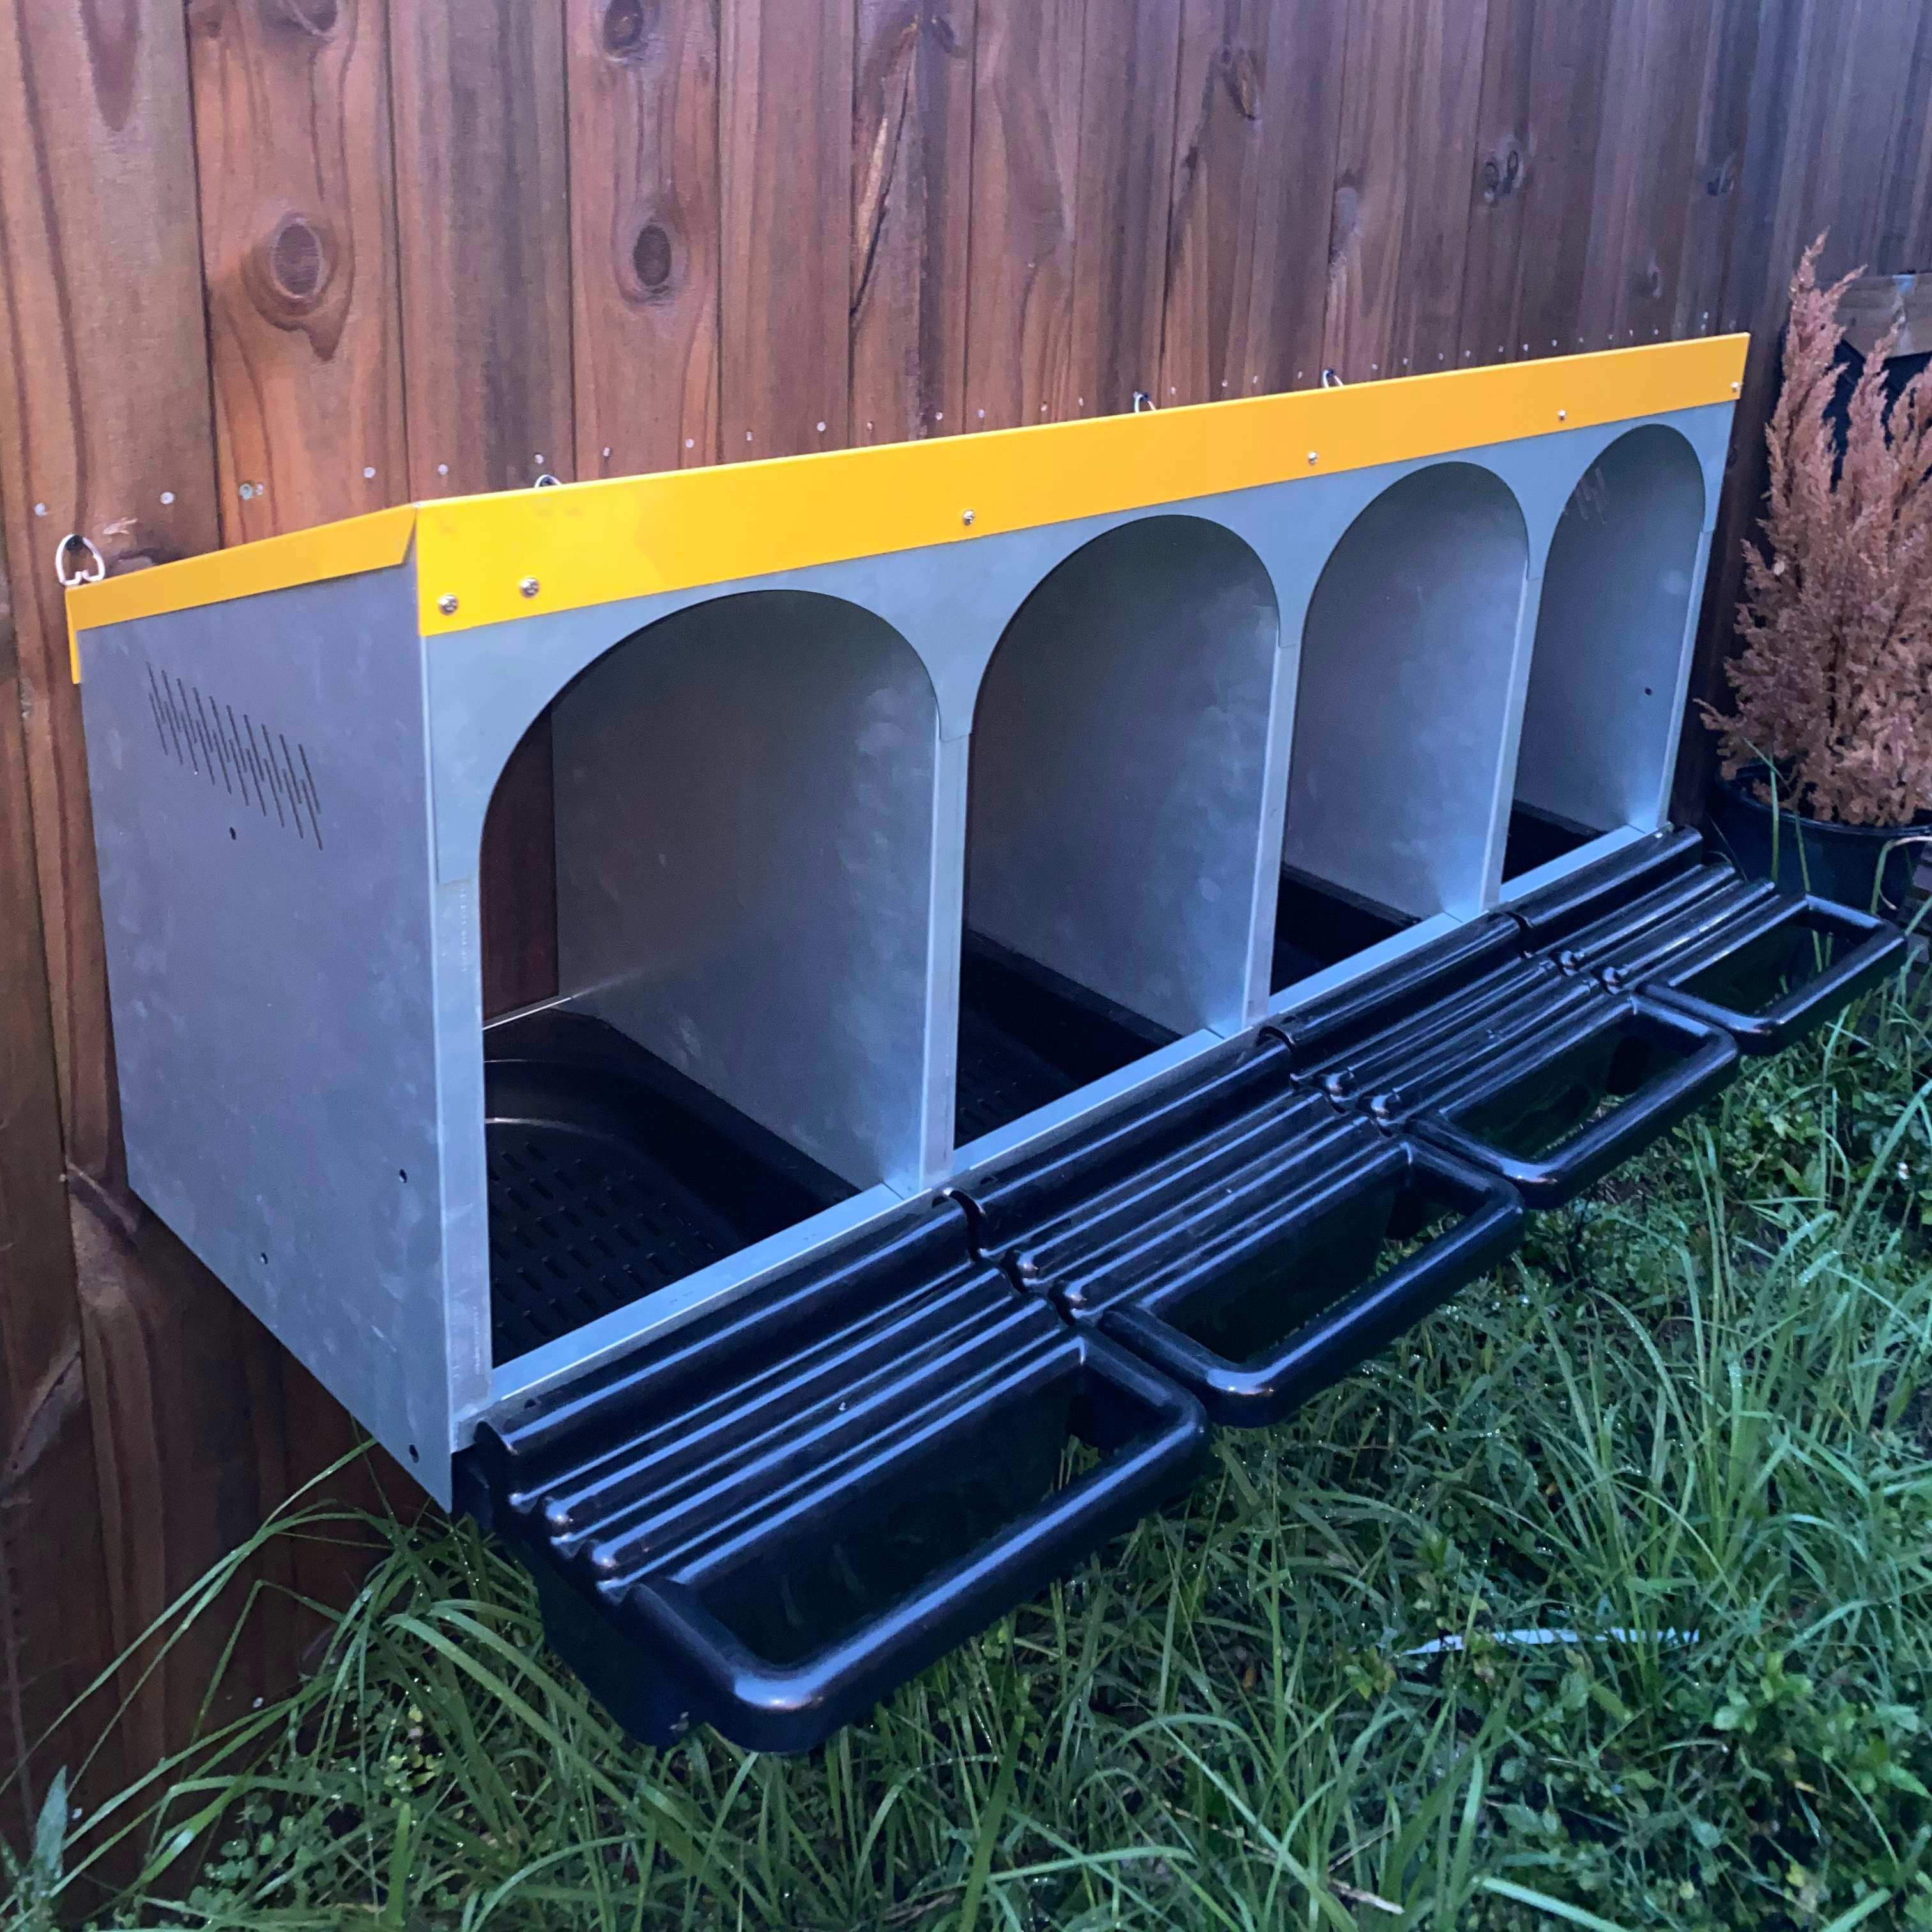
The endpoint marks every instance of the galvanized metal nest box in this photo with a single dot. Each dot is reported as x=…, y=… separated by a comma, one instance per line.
x=1037, y=917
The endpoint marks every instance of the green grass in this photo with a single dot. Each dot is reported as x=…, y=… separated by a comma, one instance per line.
x=1692, y=1425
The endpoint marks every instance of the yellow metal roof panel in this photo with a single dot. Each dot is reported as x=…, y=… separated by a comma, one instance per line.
x=481, y=559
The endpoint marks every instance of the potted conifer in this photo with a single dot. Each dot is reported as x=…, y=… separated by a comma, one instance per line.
x=1826, y=777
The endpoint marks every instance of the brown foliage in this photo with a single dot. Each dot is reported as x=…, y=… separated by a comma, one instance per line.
x=1834, y=682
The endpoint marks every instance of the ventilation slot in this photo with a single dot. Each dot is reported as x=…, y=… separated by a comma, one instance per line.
x=256, y=764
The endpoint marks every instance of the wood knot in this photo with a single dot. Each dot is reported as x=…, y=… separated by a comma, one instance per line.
x=1502, y=172
x=296, y=262
x=629, y=28
x=1241, y=75
x=316, y=18
x=651, y=258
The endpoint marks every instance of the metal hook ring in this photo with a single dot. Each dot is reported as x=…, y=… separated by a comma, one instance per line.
x=83, y=575
x=1144, y=403
x=547, y=482
x=1330, y=380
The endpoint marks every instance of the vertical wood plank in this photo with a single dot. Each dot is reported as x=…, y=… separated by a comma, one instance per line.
x=1541, y=121
x=786, y=145
x=1830, y=91
x=1026, y=155
x=298, y=244
x=1128, y=74
x=643, y=87
x=1411, y=94
x=482, y=182
x=105, y=427
x=483, y=214
x=1724, y=122
x=1645, y=175
x=912, y=158
x=1257, y=112
x=55, y=1632
x=104, y=420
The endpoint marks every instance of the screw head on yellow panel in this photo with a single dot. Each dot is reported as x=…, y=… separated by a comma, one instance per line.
x=1562, y=415
x=446, y=604
x=529, y=587
x=966, y=518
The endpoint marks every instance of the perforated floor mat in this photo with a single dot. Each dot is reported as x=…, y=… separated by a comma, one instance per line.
x=580, y=1225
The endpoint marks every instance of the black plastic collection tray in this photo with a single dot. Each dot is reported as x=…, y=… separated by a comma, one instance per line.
x=772, y=1516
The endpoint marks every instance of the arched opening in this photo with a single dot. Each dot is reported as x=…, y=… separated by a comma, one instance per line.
x=1601, y=722
x=739, y=906
x=1116, y=798
x=1400, y=715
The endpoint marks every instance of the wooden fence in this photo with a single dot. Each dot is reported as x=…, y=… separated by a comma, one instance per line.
x=267, y=262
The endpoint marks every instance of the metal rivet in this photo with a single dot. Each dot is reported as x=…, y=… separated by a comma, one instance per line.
x=248, y=491
x=368, y=472
x=821, y=429
x=167, y=497
x=446, y=604
x=965, y=516
x=1314, y=456
x=1562, y=415
x=607, y=449
x=529, y=587
x=442, y=469
x=39, y=509
x=691, y=442
x=1735, y=387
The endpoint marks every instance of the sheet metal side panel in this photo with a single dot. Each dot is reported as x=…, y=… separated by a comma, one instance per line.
x=262, y=815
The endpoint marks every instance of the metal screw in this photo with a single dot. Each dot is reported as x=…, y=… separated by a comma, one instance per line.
x=1735, y=387
x=1314, y=456
x=529, y=587
x=446, y=604
x=1562, y=415
x=966, y=516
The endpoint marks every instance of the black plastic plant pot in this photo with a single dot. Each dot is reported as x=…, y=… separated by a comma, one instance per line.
x=1536, y=1115
x=1869, y=867
x=782, y=1512
x=1255, y=1325
x=1771, y=978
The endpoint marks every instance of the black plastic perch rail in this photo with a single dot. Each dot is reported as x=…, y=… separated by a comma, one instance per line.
x=790, y=1507
x=1064, y=939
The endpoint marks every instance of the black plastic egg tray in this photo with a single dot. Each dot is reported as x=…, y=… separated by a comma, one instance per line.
x=769, y=1519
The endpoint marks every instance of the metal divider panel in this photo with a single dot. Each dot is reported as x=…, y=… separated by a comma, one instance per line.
x=776, y=1515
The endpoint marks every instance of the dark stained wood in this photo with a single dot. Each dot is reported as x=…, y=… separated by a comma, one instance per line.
x=518, y=890
x=299, y=247
x=785, y=122
x=1644, y=177
x=1026, y=156
x=1830, y=92
x=105, y=427
x=912, y=158
x=1723, y=130
x=642, y=87
x=483, y=219
x=1127, y=80
x=104, y=421
x=54, y=1629
x=1404, y=174
x=1540, y=121
x=482, y=174
x=1259, y=108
